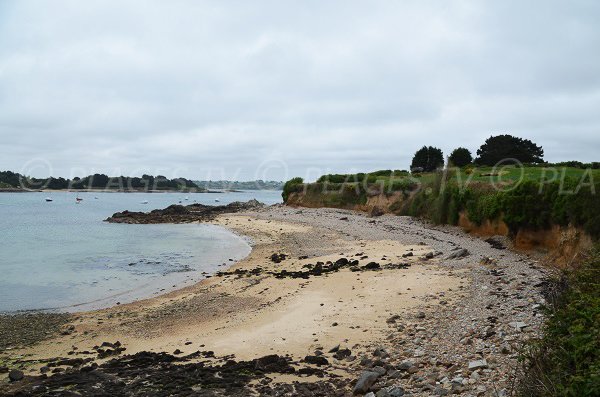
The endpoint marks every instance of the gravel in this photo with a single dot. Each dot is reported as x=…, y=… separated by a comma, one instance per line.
x=500, y=309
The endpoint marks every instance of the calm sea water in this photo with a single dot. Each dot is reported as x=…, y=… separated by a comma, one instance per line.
x=60, y=255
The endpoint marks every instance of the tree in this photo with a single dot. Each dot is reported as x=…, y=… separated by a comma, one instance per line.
x=427, y=159
x=501, y=147
x=460, y=157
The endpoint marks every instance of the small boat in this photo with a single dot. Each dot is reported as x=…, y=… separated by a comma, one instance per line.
x=186, y=198
x=48, y=199
x=217, y=200
x=144, y=202
x=95, y=198
x=78, y=199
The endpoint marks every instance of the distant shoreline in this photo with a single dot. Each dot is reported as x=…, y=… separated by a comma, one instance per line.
x=15, y=190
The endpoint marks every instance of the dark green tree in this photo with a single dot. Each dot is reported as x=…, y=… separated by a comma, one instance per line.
x=427, y=159
x=460, y=157
x=501, y=147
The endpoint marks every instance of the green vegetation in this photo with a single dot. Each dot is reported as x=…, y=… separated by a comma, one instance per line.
x=529, y=197
x=241, y=185
x=97, y=181
x=427, y=159
x=565, y=362
x=505, y=147
x=290, y=187
x=460, y=157
x=533, y=204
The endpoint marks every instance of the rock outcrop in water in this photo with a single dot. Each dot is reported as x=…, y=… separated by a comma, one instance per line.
x=183, y=213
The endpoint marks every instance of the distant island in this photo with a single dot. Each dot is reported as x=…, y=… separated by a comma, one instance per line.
x=237, y=185
x=11, y=181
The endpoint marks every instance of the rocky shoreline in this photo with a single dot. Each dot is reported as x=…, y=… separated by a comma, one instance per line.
x=183, y=214
x=414, y=336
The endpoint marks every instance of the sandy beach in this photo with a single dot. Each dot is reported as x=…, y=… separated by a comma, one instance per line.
x=440, y=310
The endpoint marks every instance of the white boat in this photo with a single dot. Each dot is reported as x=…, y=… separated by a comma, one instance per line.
x=187, y=198
x=48, y=199
x=144, y=202
x=217, y=200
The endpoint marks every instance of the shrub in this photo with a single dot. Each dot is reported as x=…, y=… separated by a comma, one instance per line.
x=566, y=360
x=291, y=187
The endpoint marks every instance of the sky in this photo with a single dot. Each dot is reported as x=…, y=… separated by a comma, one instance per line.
x=274, y=89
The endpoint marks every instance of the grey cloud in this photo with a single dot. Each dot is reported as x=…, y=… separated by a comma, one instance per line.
x=195, y=86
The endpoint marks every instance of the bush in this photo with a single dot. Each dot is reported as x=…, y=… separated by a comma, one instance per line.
x=290, y=187
x=566, y=361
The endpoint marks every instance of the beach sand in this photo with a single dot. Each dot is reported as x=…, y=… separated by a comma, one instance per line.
x=430, y=303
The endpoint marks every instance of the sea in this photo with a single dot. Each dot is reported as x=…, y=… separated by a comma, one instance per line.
x=61, y=256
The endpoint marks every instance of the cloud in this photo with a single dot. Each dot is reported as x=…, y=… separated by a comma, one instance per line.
x=201, y=87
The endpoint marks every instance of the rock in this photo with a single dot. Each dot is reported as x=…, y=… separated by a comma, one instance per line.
x=380, y=370
x=15, y=375
x=342, y=353
x=316, y=360
x=405, y=365
x=394, y=391
x=380, y=352
x=182, y=214
x=371, y=266
x=429, y=255
x=477, y=364
x=277, y=258
x=497, y=242
x=393, y=319
x=420, y=315
x=459, y=253
x=364, y=383
x=370, y=394
x=518, y=325
x=376, y=211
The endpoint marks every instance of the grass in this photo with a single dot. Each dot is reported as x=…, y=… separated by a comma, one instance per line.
x=501, y=177
x=530, y=197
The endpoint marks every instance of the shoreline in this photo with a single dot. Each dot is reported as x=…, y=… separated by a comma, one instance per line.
x=251, y=315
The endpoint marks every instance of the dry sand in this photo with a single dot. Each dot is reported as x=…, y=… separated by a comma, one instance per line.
x=254, y=316
x=448, y=312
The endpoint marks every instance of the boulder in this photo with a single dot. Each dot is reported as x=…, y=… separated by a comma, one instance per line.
x=459, y=253
x=316, y=360
x=15, y=375
x=364, y=383
x=393, y=391
x=478, y=364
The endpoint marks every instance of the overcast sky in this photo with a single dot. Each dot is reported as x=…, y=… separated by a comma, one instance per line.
x=274, y=89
